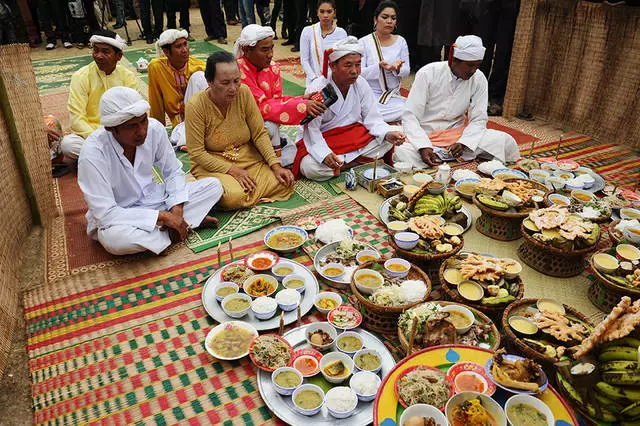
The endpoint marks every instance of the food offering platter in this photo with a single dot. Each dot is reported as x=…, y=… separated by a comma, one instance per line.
x=387, y=409
x=215, y=311
x=384, y=213
x=282, y=406
x=329, y=250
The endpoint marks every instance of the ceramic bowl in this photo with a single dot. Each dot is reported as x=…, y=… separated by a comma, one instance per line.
x=507, y=173
x=327, y=328
x=601, y=261
x=289, y=229
x=282, y=390
x=513, y=321
x=268, y=314
x=552, y=305
x=533, y=402
x=630, y=214
x=287, y=282
x=581, y=196
x=574, y=185
x=397, y=261
x=462, y=310
x=559, y=200
x=397, y=226
x=627, y=252
x=435, y=188
x=403, y=167
x=587, y=180
x=363, y=254
x=555, y=182
x=333, y=265
x=352, y=334
x=303, y=411
x=288, y=306
x=282, y=269
x=406, y=240
x=453, y=229
x=539, y=175
x=236, y=314
x=496, y=411
x=357, y=277
x=271, y=257
x=632, y=233
x=423, y=410
x=253, y=278
x=224, y=326
x=350, y=410
x=367, y=351
x=422, y=178
x=327, y=295
x=564, y=174
x=225, y=284
x=512, y=273
x=332, y=357
x=466, y=181
x=465, y=295
x=409, y=190
x=357, y=378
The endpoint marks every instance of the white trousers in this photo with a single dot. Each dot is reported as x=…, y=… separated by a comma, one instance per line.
x=493, y=144
x=314, y=170
x=71, y=145
x=197, y=82
x=286, y=154
x=126, y=239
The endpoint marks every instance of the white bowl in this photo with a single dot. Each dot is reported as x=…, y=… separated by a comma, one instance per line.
x=532, y=401
x=628, y=247
x=364, y=289
x=367, y=351
x=564, y=174
x=373, y=253
x=464, y=311
x=599, y=257
x=632, y=233
x=286, y=228
x=630, y=214
x=223, y=284
x=422, y=178
x=587, y=180
x=500, y=419
x=286, y=280
x=332, y=357
x=359, y=376
x=424, y=410
x=264, y=315
x=282, y=390
x=402, y=166
x=573, y=185
x=307, y=386
x=270, y=279
x=326, y=295
x=288, y=306
x=397, y=226
x=559, y=200
x=341, y=414
x=333, y=265
x=409, y=190
x=539, y=175
x=581, y=192
x=406, y=240
x=219, y=328
x=282, y=263
x=397, y=261
x=327, y=328
x=236, y=314
x=555, y=182
x=350, y=333
x=512, y=275
x=583, y=170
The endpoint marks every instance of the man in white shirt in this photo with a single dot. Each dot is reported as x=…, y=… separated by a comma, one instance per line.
x=349, y=132
x=128, y=211
x=446, y=113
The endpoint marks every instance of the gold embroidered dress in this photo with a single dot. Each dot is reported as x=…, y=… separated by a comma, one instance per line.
x=216, y=143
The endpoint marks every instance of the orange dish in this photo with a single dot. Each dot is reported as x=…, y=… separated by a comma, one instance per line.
x=261, y=263
x=260, y=287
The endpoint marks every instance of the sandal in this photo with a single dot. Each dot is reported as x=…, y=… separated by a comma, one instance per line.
x=494, y=110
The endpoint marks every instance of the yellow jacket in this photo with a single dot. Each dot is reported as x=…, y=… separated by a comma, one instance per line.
x=87, y=86
x=164, y=94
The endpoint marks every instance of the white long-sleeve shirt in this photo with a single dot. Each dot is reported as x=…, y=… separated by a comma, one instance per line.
x=312, y=50
x=438, y=101
x=120, y=193
x=371, y=63
x=359, y=106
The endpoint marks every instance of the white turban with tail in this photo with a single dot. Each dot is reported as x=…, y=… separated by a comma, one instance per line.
x=120, y=104
x=117, y=42
x=468, y=48
x=344, y=47
x=169, y=37
x=250, y=36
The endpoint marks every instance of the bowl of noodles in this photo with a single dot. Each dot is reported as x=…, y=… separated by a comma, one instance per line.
x=474, y=409
x=230, y=340
x=422, y=384
x=285, y=239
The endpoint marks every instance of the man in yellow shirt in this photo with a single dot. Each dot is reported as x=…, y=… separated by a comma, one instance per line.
x=169, y=76
x=87, y=86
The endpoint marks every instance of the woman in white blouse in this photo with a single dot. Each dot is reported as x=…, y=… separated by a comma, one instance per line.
x=386, y=61
x=318, y=37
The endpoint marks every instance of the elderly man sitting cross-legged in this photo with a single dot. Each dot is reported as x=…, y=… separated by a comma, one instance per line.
x=349, y=132
x=128, y=211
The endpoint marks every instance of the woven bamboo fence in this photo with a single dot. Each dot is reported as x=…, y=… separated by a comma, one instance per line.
x=577, y=63
x=25, y=179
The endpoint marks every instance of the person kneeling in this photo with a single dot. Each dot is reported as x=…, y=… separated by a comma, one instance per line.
x=128, y=211
x=349, y=132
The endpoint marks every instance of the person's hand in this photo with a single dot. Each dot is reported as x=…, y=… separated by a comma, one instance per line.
x=396, y=137
x=178, y=210
x=175, y=222
x=309, y=95
x=332, y=161
x=395, y=67
x=429, y=157
x=456, y=150
x=315, y=108
x=283, y=175
x=53, y=135
x=243, y=178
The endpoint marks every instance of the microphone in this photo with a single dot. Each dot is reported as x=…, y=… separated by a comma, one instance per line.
x=327, y=96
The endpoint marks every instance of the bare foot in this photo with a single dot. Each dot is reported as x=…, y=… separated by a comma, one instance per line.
x=209, y=222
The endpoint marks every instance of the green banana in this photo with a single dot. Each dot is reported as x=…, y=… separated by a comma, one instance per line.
x=618, y=394
x=619, y=353
x=624, y=378
x=626, y=341
x=607, y=415
x=607, y=403
x=497, y=300
x=632, y=410
x=620, y=366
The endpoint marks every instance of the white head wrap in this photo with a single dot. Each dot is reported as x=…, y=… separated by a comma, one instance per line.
x=120, y=104
x=468, y=48
x=250, y=36
x=117, y=42
x=169, y=37
x=345, y=47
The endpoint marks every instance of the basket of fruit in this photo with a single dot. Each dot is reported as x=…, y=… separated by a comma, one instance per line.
x=618, y=274
x=505, y=203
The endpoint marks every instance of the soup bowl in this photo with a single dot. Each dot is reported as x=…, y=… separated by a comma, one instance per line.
x=488, y=403
x=406, y=240
x=326, y=328
x=286, y=239
x=326, y=295
x=229, y=325
x=367, y=280
x=291, y=281
x=249, y=284
x=630, y=214
x=282, y=390
x=282, y=269
x=531, y=401
x=632, y=233
x=308, y=411
x=397, y=268
x=225, y=284
x=234, y=313
x=363, y=352
x=359, y=377
x=462, y=311
x=347, y=334
x=332, y=358
x=423, y=410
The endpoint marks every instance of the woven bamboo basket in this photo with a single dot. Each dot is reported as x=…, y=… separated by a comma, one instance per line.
x=384, y=319
x=416, y=196
x=604, y=293
x=550, y=260
x=494, y=312
x=615, y=236
x=501, y=225
x=527, y=350
x=480, y=317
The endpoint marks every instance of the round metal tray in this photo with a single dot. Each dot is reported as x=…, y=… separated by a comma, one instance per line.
x=282, y=406
x=213, y=308
x=384, y=213
x=325, y=251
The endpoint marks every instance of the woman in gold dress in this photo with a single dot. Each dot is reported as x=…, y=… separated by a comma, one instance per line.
x=226, y=139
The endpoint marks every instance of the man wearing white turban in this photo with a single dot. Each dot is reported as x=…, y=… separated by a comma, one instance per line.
x=352, y=130
x=128, y=211
x=170, y=74
x=446, y=112
x=254, y=50
x=87, y=86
